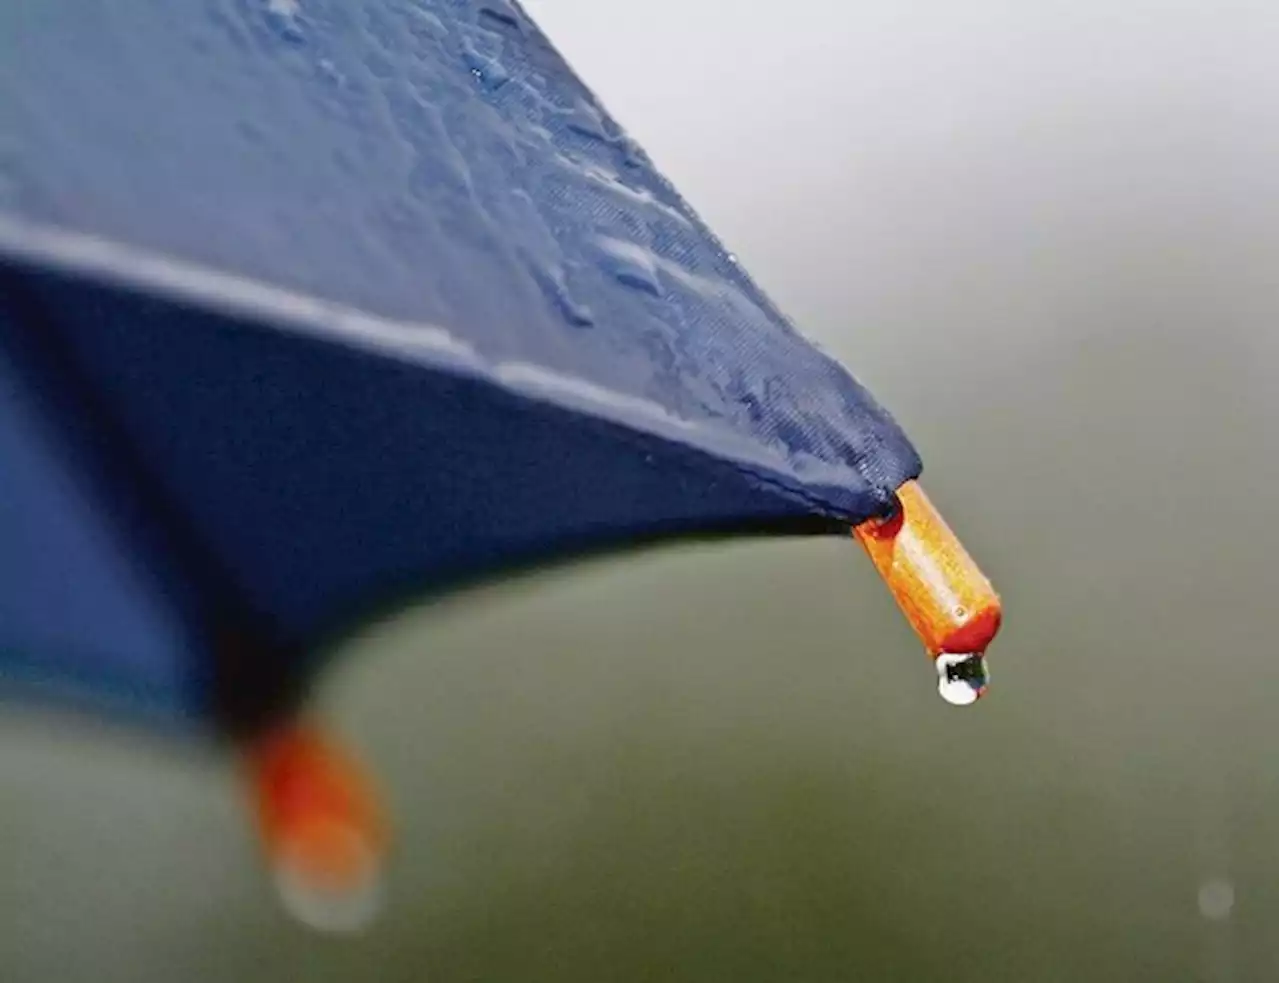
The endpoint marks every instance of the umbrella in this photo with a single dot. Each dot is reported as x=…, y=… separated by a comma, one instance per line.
x=309, y=304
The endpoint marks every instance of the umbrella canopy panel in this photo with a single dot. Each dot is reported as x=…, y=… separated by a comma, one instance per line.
x=364, y=295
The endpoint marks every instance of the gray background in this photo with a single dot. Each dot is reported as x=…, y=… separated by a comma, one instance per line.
x=1043, y=233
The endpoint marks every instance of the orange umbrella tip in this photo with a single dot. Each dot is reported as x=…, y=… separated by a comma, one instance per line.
x=944, y=595
x=322, y=828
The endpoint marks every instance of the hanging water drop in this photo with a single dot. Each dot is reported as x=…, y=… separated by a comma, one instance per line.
x=962, y=678
x=329, y=878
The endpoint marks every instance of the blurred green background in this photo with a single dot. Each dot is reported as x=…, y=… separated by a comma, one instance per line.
x=1044, y=234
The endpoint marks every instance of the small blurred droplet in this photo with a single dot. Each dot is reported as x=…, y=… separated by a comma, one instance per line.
x=962, y=678
x=1215, y=899
x=339, y=900
x=489, y=72
x=283, y=16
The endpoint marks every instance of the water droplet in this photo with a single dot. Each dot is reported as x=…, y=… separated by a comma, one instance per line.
x=629, y=152
x=283, y=16
x=429, y=24
x=631, y=265
x=379, y=65
x=1215, y=899
x=962, y=677
x=585, y=120
x=345, y=904
x=487, y=71
x=588, y=121
x=329, y=72
x=556, y=289
x=500, y=14
x=251, y=130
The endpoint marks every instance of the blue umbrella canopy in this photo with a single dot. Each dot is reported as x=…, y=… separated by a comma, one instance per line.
x=308, y=303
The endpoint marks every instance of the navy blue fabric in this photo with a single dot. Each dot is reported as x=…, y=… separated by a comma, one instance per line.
x=78, y=607
x=379, y=296
x=342, y=476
